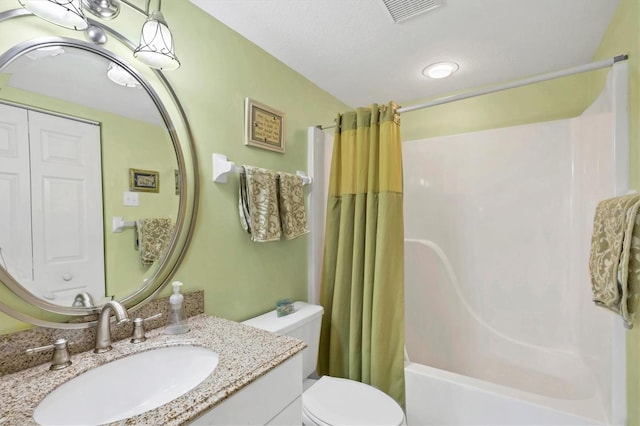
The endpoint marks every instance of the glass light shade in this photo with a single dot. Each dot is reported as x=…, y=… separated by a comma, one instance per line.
x=66, y=13
x=120, y=76
x=156, y=44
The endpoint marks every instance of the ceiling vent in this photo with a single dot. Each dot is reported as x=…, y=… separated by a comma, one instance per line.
x=401, y=10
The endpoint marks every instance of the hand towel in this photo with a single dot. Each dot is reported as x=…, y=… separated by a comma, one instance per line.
x=613, y=262
x=153, y=235
x=258, y=204
x=293, y=216
x=634, y=268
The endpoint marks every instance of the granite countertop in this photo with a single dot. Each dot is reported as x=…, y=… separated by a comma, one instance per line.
x=245, y=353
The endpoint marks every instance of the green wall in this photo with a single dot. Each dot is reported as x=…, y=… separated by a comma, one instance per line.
x=550, y=100
x=240, y=278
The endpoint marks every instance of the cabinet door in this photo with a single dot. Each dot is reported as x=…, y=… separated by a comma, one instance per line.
x=67, y=216
x=271, y=399
x=15, y=194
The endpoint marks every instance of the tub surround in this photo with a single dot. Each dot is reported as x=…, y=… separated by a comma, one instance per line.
x=13, y=357
x=245, y=354
x=512, y=264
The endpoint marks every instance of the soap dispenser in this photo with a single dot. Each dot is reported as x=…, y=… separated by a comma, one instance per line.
x=177, y=322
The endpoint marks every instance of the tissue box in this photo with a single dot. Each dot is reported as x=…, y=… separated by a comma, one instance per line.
x=284, y=307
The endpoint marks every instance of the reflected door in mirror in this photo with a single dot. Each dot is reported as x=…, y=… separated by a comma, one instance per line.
x=59, y=252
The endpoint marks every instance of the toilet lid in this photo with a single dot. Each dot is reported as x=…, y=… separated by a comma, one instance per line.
x=337, y=401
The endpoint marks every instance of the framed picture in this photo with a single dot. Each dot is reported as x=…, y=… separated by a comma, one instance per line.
x=264, y=126
x=144, y=180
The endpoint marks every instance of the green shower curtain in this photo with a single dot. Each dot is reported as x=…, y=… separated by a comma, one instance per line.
x=362, y=288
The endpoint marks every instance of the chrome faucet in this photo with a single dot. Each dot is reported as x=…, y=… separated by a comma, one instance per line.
x=103, y=331
x=60, y=357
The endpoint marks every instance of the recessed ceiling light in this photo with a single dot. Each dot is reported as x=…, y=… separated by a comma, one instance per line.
x=440, y=69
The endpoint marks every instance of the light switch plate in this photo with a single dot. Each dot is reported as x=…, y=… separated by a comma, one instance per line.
x=130, y=199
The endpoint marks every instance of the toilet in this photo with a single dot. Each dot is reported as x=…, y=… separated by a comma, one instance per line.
x=329, y=400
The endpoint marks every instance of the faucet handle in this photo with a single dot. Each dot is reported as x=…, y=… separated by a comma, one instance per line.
x=60, y=358
x=138, y=328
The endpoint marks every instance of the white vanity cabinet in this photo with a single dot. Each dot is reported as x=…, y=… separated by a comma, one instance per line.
x=273, y=399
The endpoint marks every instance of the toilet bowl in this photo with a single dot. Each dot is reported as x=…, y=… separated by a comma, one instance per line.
x=329, y=400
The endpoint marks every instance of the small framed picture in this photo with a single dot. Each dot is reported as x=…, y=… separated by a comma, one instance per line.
x=264, y=126
x=144, y=180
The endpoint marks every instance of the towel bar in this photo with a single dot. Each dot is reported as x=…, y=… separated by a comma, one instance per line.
x=118, y=224
x=222, y=167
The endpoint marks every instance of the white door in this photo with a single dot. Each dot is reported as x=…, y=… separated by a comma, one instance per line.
x=15, y=198
x=66, y=188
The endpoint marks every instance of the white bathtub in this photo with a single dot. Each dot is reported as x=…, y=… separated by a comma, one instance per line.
x=439, y=397
x=462, y=371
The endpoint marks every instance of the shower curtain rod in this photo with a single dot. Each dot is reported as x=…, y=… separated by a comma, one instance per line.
x=535, y=79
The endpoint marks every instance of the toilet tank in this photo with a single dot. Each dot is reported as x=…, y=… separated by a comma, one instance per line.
x=303, y=324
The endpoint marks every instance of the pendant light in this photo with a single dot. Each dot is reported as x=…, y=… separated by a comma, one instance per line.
x=66, y=13
x=156, y=43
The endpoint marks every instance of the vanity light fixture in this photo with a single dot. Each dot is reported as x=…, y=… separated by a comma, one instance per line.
x=96, y=35
x=120, y=76
x=440, y=70
x=156, y=48
x=66, y=13
x=156, y=43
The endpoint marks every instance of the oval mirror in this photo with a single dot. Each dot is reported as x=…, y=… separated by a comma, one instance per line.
x=98, y=173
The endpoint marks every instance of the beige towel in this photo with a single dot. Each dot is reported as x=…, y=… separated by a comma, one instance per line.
x=258, y=204
x=634, y=269
x=614, y=262
x=153, y=236
x=293, y=215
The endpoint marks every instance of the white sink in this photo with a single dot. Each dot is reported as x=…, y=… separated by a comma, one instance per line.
x=127, y=386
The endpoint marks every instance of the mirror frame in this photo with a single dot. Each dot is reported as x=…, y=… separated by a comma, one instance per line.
x=188, y=175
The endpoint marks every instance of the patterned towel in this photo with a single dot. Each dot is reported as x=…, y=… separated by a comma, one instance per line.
x=293, y=215
x=153, y=235
x=633, y=282
x=614, y=262
x=258, y=204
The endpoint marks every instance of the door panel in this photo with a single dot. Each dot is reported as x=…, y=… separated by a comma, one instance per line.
x=15, y=199
x=67, y=208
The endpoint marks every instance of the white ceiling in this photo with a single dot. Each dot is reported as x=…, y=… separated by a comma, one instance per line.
x=354, y=50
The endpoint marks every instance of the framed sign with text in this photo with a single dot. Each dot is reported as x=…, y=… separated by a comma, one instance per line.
x=264, y=126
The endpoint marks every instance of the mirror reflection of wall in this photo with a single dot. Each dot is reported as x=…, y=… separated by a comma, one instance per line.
x=74, y=82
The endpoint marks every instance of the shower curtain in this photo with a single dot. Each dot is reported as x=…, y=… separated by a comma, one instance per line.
x=362, y=288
